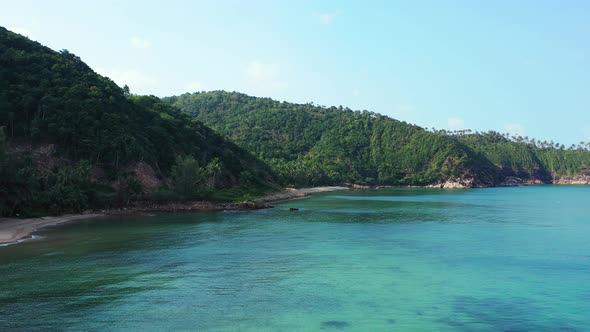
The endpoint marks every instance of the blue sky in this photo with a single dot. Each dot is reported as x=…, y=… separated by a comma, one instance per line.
x=516, y=66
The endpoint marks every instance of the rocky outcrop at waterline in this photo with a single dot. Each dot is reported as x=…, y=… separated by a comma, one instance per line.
x=511, y=181
x=459, y=183
x=579, y=179
x=583, y=179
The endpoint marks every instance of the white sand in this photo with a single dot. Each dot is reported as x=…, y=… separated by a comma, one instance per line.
x=317, y=189
x=12, y=230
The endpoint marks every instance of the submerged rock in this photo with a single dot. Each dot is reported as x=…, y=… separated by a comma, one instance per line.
x=335, y=324
x=250, y=206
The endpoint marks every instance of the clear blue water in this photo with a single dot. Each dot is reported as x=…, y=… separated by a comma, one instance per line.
x=505, y=259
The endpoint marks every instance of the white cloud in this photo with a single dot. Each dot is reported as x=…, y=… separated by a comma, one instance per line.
x=326, y=18
x=137, y=81
x=21, y=31
x=140, y=43
x=264, y=78
x=456, y=123
x=514, y=129
x=258, y=71
x=194, y=87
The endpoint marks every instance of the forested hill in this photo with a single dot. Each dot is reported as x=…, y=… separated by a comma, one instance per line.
x=52, y=101
x=532, y=160
x=308, y=145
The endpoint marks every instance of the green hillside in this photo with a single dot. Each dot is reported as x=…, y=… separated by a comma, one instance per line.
x=71, y=139
x=528, y=160
x=309, y=145
x=54, y=99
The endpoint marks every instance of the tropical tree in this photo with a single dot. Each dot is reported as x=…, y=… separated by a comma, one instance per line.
x=213, y=169
x=189, y=177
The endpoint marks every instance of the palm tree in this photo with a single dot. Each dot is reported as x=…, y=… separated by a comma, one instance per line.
x=213, y=169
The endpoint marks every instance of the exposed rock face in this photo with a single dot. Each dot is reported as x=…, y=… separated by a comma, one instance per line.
x=455, y=183
x=458, y=183
x=43, y=155
x=146, y=176
x=511, y=181
x=583, y=178
x=576, y=179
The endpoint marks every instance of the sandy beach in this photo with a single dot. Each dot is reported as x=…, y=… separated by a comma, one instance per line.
x=291, y=193
x=14, y=230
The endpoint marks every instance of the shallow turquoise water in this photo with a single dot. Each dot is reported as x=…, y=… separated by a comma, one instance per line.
x=504, y=259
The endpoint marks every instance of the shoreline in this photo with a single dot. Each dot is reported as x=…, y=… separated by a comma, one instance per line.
x=14, y=231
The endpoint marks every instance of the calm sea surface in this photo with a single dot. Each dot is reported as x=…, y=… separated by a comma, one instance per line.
x=505, y=259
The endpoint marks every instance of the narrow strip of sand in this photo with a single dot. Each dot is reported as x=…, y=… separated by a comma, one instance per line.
x=318, y=189
x=12, y=230
x=291, y=193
